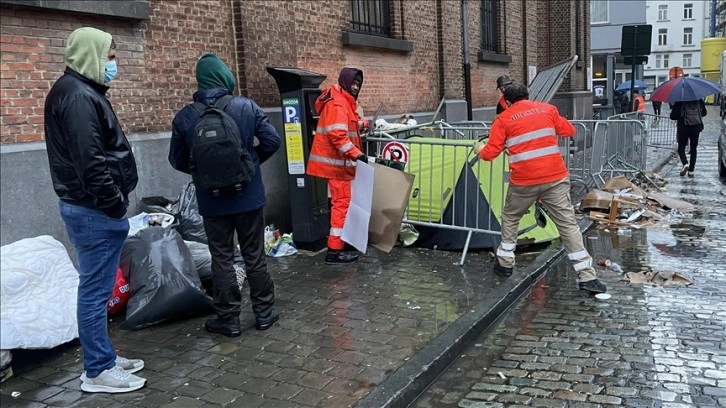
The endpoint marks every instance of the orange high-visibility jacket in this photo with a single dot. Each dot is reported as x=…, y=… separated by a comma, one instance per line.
x=528, y=130
x=641, y=103
x=337, y=141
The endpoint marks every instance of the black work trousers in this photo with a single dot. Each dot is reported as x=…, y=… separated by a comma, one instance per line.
x=688, y=138
x=250, y=229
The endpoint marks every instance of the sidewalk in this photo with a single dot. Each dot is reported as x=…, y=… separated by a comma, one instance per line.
x=371, y=334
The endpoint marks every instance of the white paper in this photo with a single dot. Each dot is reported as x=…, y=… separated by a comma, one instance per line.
x=355, y=229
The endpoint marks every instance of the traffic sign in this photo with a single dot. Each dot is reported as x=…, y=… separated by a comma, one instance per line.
x=395, y=151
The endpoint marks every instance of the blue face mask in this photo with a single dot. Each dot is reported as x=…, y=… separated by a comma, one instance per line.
x=111, y=70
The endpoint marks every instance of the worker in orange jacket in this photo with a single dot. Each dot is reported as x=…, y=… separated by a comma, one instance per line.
x=336, y=149
x=528, y=130
x=502, y=83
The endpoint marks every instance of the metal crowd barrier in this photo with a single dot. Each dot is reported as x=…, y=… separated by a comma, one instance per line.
x=600, y=149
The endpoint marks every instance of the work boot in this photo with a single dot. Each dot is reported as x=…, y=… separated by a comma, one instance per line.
x=267, y=322
x=339, y=258
x=500, y=270
x=594, y=286
x=228, y=327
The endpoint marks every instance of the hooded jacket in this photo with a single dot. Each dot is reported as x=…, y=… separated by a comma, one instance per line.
x=91, y=162
x=215, y=80
x=337, y=141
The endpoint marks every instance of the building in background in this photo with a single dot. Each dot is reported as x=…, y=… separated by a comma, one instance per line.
x=678, y=29
x=411, y=52
x=607, y=18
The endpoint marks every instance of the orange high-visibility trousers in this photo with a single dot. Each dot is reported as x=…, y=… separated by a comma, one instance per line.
x=340, y=199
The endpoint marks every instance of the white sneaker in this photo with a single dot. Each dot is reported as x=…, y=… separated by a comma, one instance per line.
x=684, y=170
x=114, y=380
x=130, y=365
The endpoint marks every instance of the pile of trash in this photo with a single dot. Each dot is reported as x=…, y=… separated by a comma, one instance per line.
x=622, y=204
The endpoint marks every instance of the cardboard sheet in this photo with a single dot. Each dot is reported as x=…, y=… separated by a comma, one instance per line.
x=391, y=190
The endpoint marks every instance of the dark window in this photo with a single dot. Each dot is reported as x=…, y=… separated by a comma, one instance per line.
x=372, y=17
x=489, y=26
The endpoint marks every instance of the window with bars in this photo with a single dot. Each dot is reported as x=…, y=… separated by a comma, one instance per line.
x=371, y=17
x=489, y=26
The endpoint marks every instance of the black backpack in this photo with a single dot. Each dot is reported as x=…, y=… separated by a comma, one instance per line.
x=691, y=112
x=219, y=161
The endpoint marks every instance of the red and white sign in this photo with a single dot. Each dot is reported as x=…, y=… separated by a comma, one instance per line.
x=395, y=151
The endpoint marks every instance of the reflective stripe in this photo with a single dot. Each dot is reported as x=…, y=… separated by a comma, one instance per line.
x=336, y=232
x=507, y=246
x=530, y=136
x=506, y=254
x=334, y=126
x=346, y=147
x=545, y=151
x=332, y=162
x=583, y=265
x=578, y=255
x=352, y=134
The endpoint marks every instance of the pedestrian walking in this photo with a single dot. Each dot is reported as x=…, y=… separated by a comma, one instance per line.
x=639, y=104
x=336, y=149
x=689, y=127
x=528, y=131
x=93, y=172
x=656, y=111
x=213, y=140
x=502, y=83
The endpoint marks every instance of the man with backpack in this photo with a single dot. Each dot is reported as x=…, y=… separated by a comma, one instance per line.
x=213, y=140
x=689, y=115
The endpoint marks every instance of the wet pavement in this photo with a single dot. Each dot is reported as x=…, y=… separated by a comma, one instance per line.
x=648, y=346
x=377, y=333
x=342, y=332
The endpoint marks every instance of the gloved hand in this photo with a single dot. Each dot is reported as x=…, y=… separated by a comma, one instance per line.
x=362, y=158
x=363, y=125
x=478, y=145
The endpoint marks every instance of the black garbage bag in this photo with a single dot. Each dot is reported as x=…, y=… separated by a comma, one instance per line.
x=191, y=224
x=202, y=258
x=158, y=204
x=162, y=278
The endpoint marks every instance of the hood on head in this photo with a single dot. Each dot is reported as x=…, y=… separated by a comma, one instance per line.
x=346, y=77
x=87, y=52
x=212, y=72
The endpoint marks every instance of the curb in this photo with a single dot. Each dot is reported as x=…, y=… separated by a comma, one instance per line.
x=402, y=387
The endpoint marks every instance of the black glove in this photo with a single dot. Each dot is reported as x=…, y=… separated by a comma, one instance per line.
x=362, y=158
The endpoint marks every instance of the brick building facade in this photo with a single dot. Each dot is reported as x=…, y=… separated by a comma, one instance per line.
x=410, y=51
x=157, y=53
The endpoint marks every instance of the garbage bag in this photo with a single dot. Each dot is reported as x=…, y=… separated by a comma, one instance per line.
x=158, y=204
x=202, y=258
x=191, y=224
x=162, y=278
x=277, y=245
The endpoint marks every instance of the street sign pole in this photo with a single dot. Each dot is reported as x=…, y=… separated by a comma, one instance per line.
x=632, y=74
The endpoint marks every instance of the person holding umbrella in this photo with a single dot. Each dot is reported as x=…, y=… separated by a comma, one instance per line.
x=686, y=96
x=690, y=125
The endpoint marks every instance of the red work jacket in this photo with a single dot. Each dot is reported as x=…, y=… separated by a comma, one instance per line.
x=337, y=141
x=529, y=130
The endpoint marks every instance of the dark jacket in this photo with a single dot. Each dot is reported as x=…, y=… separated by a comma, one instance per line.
x=677, y=114
x=252, y=123
x=91, y=163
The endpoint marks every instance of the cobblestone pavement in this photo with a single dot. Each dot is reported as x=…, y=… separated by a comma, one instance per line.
x=648, y=346
x=342, y=331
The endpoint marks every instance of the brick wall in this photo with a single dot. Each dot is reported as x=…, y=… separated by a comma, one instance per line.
x=157, y=56
x=156, y=62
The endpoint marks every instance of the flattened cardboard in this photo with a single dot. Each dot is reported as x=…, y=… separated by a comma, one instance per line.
x=391, y=190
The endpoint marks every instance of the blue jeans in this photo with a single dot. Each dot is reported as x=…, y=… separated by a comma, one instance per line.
x=97, y=239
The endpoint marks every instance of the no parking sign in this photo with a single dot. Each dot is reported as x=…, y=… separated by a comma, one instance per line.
x=395, y=151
